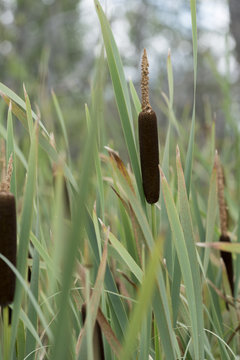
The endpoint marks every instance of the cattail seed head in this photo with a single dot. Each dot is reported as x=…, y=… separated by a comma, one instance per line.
x=7, y=246
x=8, y=233
x=149, y=156
x=226, y=256
x=148, y=140
x=223, y=212
x=227, y=259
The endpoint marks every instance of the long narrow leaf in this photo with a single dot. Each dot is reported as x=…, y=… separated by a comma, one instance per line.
x=184, y=261
x=160, y=302
x=25, y=228
x=144, y=301
x=121, y=94
x=186, y=221
x=60, y=348
x=189, y=158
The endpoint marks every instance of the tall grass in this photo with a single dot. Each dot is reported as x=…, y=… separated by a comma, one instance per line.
x=92, y=242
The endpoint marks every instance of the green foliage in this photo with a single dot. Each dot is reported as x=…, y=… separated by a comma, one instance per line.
x=150, y=278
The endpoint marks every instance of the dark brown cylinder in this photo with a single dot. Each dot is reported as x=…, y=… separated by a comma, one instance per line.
x=7, y=247
x=227, y=258
x=149, y=155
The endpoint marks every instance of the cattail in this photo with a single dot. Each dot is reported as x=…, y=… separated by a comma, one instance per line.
x=7, y=237
x=226, y=256
x=148, y=140
x=227, y=259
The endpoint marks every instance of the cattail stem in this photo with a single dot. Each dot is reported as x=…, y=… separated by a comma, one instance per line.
x=154, y=229
x=5, y=314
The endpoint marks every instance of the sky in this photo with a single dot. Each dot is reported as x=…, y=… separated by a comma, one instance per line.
x=213, y=16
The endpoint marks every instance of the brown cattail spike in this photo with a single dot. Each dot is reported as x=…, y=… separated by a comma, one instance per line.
x=227, y=259
x=226, y=256
x=148, y=140
x=221, y=200
x=8, y=238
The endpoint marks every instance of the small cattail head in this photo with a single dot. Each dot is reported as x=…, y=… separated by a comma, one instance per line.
x=221, y=199
x=7, y=246
x=226, y=256
x=227, y=259
x=8, y=236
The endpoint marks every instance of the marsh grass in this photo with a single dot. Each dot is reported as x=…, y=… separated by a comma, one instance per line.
x=139, y=270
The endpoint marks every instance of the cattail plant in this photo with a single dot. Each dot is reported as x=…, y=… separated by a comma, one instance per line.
x=224, y=237
x=148, y=140
x=8, y=236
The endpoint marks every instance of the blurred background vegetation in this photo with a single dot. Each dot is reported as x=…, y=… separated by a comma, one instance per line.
x=53, y=44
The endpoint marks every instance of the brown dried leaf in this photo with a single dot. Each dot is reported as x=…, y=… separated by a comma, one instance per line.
x=108, y=333
x=116, y=160
x=136, y=227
